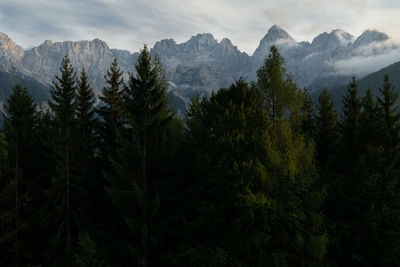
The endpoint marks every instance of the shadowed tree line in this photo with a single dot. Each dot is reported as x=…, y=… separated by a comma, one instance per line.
x=254, y=175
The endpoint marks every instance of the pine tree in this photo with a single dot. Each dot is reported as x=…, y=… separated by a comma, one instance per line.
x=390, y=119
x=19, y=129
x=351, y=118
x=346, y=195
x=63, y=106
x=140, y=157
x=85, y=113
x=326, y=128
x=369, y=123
x=84, y=145
x=111, y=112
x=227, y=186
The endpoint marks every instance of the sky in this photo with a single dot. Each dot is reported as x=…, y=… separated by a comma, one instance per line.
x=128, y=24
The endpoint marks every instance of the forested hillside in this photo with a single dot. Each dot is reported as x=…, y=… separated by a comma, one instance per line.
x=254, y=175
x=372, y=81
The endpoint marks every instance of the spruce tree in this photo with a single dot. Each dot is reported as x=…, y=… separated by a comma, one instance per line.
x=140, y=159
x=19, y=128
x=346, y=202
x=326, y=132
x=390, y=119
x=111, y=112
x=228, y=185
x=84, y=144
x=63, y=106
x=351, y=118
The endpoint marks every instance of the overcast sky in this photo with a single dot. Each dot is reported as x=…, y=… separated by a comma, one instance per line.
x=128, y=24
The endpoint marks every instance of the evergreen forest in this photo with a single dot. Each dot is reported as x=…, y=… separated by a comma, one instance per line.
x=257, y=174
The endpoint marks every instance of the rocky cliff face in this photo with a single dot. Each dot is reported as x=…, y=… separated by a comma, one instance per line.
x=202, y=64
x=11, y=55
x=320, y=63
x=43, y=62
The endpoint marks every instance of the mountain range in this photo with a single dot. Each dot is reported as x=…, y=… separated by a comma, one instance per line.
x=203, y=64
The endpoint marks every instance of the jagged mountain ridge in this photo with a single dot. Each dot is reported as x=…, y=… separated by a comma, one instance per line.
x=202, y=64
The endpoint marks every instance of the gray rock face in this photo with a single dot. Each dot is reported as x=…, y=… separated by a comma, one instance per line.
x=43, y=62
x=320, y=63
x=10, y=55
x=202, y=64
x=369, y=37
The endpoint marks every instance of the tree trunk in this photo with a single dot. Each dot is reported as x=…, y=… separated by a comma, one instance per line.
x=144, y=182
x=68, y=214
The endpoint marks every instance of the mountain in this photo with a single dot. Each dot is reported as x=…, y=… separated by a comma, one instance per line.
x=203, y=64
x=370, y=36
x=43, y=62
x=330, y=59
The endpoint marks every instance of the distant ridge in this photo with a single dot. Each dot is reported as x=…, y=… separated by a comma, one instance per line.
x=203, y=64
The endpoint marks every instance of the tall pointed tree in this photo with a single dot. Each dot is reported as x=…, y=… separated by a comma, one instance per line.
x=390, y=118
x=326, y=128
x=292, y=170
x=147, y=117
x=84, y=144
x=271, y=80
x=19, y=129
x=111, y=111
x=63, y=106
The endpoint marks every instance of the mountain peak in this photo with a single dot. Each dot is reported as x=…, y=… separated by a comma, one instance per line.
x=8, y=44
x=3, y=37
x=48, y=42
x=226, y=43
x=344, y=37
x=330, y=41
x=370, y=36
x=167, y=46
x=276, y=33
x=204, y=37
x=202, y=42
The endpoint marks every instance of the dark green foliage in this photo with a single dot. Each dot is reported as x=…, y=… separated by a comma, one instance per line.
x=228, y=134
x=111, y=111
x=308, y=115
x=3, y=152
x=390, y=118
x=255, y=175
x=19, y=129
x=139, y=164
x=65, y=187
x=86, y=255
x=372, y=81
x=326, y=130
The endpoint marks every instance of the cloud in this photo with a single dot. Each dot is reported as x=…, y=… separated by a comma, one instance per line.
x=128, y=24
x=368, y=59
